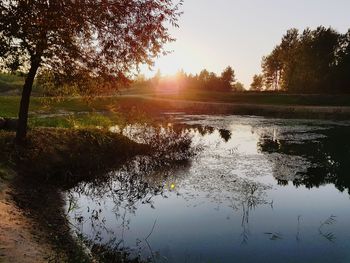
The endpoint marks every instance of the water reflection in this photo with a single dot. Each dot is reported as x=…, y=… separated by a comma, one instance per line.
x=228, y=200
x=134, y=185
x=312, y=162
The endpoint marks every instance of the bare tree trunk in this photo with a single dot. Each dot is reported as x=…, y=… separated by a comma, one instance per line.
x=25, y=99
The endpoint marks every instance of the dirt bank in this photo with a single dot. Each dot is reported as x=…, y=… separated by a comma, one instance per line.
x=20, y=239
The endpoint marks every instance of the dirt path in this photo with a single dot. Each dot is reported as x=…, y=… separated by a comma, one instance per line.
x=17, y=241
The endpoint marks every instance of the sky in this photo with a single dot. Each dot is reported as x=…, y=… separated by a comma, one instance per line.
x=216, y=33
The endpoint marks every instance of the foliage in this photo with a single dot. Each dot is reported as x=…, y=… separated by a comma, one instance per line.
x=205, y=80
x=84, y=38
x=258, y=83
x=314, y=61
x=227, y=78
x=239, y=87
x=81, y=43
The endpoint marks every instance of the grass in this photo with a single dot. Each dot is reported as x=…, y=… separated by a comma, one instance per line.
x=88, y=120
x=11, y=82
x=68, y=155
x=65, y=155
x=79, y=113
x=9, y=105
x=263, y=98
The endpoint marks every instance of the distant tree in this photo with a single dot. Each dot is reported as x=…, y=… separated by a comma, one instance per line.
x=203, y=77
x=313, y=61
x=214, y=83
x=182, y=79
x=272, y=68
x=228, y=78
x=104, y=39
x=156, y=78
x=140, y=78
x=140, y=82
x=181, y=74
x=258, y=83
x=342, y=70
x=238, y=86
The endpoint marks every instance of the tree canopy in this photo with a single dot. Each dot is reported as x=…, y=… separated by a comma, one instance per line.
x=77, y=39
x=205, y=80
x=258, y=83
x=314, y=61
x=209, y=81
x=104, y=38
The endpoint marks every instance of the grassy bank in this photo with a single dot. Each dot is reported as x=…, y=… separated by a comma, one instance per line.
x=266, y=98
x=67, y=155
x=106, y=111
x=80, y=113
x=9, y=105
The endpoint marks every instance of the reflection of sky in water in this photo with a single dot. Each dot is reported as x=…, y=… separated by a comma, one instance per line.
x=227, y=204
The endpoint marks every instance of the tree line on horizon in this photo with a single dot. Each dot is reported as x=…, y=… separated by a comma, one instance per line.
x=311, y=61
x=204, y=81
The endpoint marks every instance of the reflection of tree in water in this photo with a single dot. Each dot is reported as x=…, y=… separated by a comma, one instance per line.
x=252, y=196
x=135, y=184
x=311, y=162
x=204, y=130
x=139, y=182
x=225, y=134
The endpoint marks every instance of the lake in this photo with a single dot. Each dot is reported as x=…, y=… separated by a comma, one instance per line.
x=258, y=190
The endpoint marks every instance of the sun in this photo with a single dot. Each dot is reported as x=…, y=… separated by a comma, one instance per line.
x=185, y=57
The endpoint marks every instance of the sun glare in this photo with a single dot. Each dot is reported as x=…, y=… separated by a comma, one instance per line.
x=183, y=57
x=169, y=84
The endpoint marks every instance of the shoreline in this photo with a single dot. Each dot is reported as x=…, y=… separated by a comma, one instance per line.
x=154, y=105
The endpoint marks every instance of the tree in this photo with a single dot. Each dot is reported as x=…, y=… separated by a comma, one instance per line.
x=228, y=78
x=311, y=61
x=258, y=83
x=272, y=68
x=342, y=69
x=238, y=87
x=93, y=38
x=203, y=77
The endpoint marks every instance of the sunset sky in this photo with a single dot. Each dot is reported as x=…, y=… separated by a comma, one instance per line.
x=215, y=34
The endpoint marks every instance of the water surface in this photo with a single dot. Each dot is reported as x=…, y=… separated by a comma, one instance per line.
x=259, y=190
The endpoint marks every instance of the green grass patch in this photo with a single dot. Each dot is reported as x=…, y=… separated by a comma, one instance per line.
x=9, y=105
x=88, y=120
x=11, y=82
x=270, y=98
